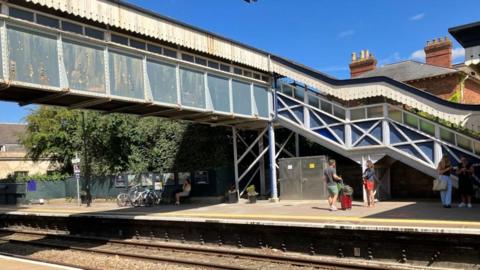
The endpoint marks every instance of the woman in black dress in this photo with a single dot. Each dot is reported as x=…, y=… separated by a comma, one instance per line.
x=465, y=182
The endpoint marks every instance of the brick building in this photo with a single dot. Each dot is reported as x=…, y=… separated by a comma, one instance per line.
x=12, y=154
x=438, y=76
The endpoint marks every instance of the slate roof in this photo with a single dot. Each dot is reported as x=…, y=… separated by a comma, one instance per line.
x=10, y=133
x=407, y=71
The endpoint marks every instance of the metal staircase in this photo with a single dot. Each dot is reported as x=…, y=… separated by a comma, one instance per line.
x=371, y=131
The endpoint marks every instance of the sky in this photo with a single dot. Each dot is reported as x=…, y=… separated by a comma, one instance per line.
x=318, y=33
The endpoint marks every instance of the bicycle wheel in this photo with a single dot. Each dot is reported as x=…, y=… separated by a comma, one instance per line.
x=149, y=199
x=137, y=200
x=122, y=199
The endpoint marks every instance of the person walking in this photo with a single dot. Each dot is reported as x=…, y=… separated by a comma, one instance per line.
x=369, y=178
x=444, y=168
x=332, y=179
x=465, y=182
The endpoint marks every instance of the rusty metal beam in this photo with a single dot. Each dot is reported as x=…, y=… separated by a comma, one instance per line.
x=159, y=113
x=45, y=99
x=88, y=103
x=130, y=107
x=188, y=115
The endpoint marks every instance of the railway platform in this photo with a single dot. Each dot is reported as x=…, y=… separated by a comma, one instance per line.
x=12, y=263
x=420, y=233
x=421, y=216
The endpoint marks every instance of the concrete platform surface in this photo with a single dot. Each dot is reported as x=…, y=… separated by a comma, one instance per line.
x=10, y=263
x=424, y=216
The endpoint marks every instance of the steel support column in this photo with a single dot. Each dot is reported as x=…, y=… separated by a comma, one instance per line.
x=262, y=166
x=437, y=147
x=364, y=167
x=348, y=130
x=385, y=126
x=297, y=145
x=273, y=168
x=235, y=163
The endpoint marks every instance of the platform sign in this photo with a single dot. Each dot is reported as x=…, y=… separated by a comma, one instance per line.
x=76, y=173
x=147, y=179
x=31, y=185
x=76, y=168
x=121, y=181
x=201, y=178
x=158, y=186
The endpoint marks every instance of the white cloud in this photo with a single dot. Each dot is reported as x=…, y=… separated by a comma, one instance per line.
x=346, y=33
x=417, y=17
x=418, y=55
x=458, y=53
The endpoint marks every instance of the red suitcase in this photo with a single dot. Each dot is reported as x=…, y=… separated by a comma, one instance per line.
x=346, y=202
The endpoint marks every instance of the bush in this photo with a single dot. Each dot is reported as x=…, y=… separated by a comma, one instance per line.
x=251, y=190
x=42, y=177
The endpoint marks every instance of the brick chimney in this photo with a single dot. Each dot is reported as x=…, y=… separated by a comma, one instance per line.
x=438, y=52
x=365, y=63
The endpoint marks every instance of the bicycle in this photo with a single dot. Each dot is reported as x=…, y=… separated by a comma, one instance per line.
x=130, y=197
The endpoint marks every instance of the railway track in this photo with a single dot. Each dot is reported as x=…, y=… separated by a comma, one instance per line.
x=189, y=255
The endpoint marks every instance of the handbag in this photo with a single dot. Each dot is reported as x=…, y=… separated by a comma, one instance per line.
x=439, y=185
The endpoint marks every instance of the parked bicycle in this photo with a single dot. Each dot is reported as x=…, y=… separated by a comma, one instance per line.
x=130, y=197
x=137, y=196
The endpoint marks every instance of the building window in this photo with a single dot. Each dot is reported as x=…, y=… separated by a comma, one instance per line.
x=71, y=27
x=169, y=53
x=154, y=49
x=94, y=33
x=237, y=71
x=48, y=21
x=20, y=14
x=187, y=57
x=225, y=68
x=137, y=44
x=200, y=61
x=119, y=39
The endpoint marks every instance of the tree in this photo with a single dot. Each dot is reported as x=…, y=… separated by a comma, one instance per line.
x=114, y=143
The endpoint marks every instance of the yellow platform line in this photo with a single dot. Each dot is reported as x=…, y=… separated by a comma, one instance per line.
x=296, y=218
x=322, y=218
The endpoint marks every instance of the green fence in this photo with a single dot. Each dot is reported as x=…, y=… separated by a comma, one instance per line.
x=213, y=182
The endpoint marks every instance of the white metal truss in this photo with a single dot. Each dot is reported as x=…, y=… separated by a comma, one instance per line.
x=419, y=145
x=247, y=171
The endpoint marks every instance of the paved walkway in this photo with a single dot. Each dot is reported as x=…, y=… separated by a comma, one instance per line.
x=405, y=214
x=9, y=263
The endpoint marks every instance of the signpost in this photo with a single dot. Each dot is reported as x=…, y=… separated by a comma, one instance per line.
x=76, y=172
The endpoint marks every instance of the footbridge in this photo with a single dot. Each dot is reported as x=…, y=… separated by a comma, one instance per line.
x=115, y=57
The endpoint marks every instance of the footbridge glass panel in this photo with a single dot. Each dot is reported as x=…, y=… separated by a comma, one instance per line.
x=163, y=81
x=261, y=100
x=219, y=92
x=84, y=66
x=126, y=75
x=33, y=57
x=242, y=103
x=192, y=85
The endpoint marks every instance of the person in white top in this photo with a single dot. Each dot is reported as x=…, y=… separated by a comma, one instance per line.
x=187, y=186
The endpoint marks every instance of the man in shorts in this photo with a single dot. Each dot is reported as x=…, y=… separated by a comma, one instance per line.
x=332, y=179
